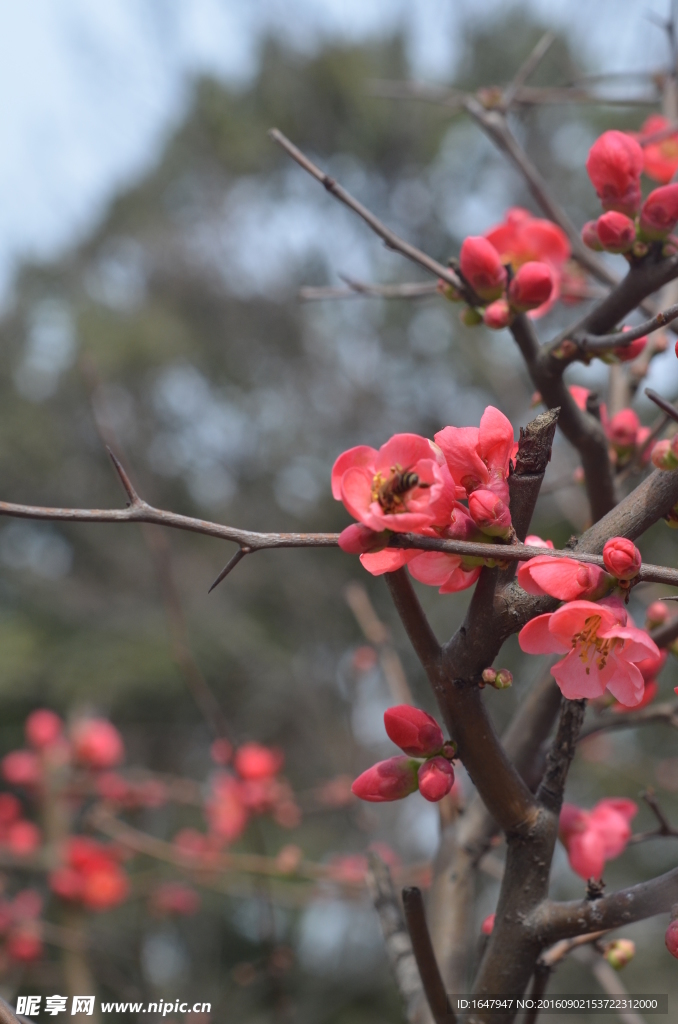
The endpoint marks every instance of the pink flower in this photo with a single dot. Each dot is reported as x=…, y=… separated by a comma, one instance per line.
x=97, y=743
x=413, y=730
x=649, y=693
x=447, y=572
x=564, y=578
x=225, y=810
x=531, y=287
x=595, y=836
x=482, y=268
x=626, y=353
x=659, y=214
x=175, y=898
x=616, y=231
x=661, y=157
x=614, y=165
x=533, y=541
x=480, y=456
x=405, y=486
x=580, y=395
x=622, y=558
x=522, y=238
x=21, y=768
x=663, y=456
x=43, y=728
x=436, y=778
x=255, y=761
x=387, y=780
x=671, y=938
x=600, y=650
x=23, y=838
x=656, y=615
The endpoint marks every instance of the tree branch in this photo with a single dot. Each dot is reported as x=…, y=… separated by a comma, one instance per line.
x=592, y=343
x=550, y=792
x=358, y=289
x=427, y=964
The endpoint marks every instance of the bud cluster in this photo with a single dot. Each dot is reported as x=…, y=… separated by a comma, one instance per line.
x=419, y=736
x=501, y=297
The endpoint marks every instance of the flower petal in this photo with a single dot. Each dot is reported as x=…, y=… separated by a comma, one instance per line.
x=434, y=567
x=537, y=638
x=495, y=440
x=577, y=677
x=363, y=455
x=388, y=560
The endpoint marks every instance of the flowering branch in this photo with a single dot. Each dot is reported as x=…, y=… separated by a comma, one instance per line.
x=592, y=343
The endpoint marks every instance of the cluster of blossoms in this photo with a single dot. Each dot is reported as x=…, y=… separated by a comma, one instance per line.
x=516, y=267
x=414, y=485
x=253, y=786
x=425, y=765
x=90, y=874
x=602, y=647
x=629, y=225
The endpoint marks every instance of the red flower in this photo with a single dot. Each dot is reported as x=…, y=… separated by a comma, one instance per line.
x=97, y=743
x=531, y=287
x=482, y=268
x=226, y=812
x=490, y=513
x=626, y=353
x=255, y=761
x=660, y=158
x=24, y=944
x=23, y=838
x=564, y=578
x=614, y=165
x=616, y=231
x=659, y=214
x=392, y=779
x=91, y=875
x=522, y=238
x=105, y=887
x=413, y=730
x=595, y=836
x=479, y=457
x=622, y=430
x=436, y=778
x=622, y=558
x=43, y=728
x=21, y=768
x=600, y=650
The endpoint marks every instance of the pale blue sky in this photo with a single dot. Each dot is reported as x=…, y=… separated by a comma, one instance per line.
x=90, y=88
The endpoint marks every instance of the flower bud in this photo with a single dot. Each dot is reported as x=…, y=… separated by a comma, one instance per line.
x=622, y=429
x=504, y=679
x=614, y=165
x=392, y=779
x=497, y=315
x=357, y=539
x=671, y=938
x=490, y=513
x=656, y=615
x=531, y=287
x=659, y=214
x=619, y=953
x=487, y=927
x=616, y=231
x=470, y=317
x=626, y=353
x=622, y=558
x=589, y=236
x=663, y=457
x=489, y=676
x=436, y=778
x=449, y=750
x=482, y=268
x=43, y=728
x=413, y=730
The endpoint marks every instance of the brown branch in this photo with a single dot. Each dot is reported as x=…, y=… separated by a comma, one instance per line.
x=396, y=937
x=389, y=237
x=667, y=713
x=7, y=1015
x=668, y=407
x=358, y=289
x=527, y=68
x=377, y=633
x=414, y=620
x=593, y=343
x=550, y=792
x=434, y=989
x=664, y=826
x=581, y=429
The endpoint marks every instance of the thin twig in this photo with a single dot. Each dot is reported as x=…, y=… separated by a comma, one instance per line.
x=664, y=826
x=668, y=408
x=358, y=289
x=589, y=343
x=392, y=240
x=424, y=954
x=527, y=69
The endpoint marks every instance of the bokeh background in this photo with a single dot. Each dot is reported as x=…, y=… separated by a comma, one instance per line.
x=152, y=245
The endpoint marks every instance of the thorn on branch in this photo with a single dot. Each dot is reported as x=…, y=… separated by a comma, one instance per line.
x=134, y=499
x=231, y=564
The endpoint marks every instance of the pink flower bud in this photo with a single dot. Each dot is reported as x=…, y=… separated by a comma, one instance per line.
x=614, y=165
x=531, y=287
x=622, y=558
x=626, y=353
x=489, y=676
x=255, y=761
x=413, y=730
x=497, y=315
x=620, y=952
x=656, y=615
x=482, y=268
x=659, y=214
x=487, y=927
x=42, y=728
x=392, y=779
x=622, y=430
x=589, y=236
x=21, y=768
x=97, y=743
x=357, y=539
x=671, y=938
x=23, y=838
x=663, y=457
x=436, y=778
x=490, y=513
x=503, y=680
x=616, y=231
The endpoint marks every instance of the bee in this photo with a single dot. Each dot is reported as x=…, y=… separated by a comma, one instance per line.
x=390, y=492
